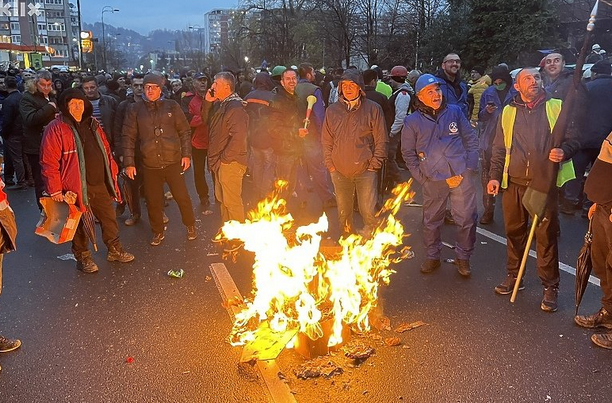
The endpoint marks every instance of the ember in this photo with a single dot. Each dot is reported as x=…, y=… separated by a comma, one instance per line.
x=296, y=288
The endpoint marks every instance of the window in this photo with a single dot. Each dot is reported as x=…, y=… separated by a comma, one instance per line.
x=16, y=39
x=44, y=40
x=15, y=26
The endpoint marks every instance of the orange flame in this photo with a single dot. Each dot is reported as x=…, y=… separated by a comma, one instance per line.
x=295, y=286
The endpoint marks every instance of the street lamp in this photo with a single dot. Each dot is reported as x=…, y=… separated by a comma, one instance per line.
x=199, y=32
x=105, y=9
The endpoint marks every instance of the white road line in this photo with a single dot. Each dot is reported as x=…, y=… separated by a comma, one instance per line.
x=566, y=268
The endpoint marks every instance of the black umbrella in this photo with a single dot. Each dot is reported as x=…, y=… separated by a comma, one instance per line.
x=89, y=224
x=584, y=265
x=126, y=192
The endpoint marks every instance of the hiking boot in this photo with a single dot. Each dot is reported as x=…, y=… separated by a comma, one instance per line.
x=603, y=340
x=601, y=318
x=8, y=345
x=549, y=301
x=463, y=267
x=157, y=239
x=507, y=286
x=191, y=232
x=165, y=218
x=85, y=263
x=429, y=265
x=132, y=220
x=117, y=254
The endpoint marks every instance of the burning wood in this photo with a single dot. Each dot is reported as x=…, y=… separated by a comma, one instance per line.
x=299, y=289
x=404, y=327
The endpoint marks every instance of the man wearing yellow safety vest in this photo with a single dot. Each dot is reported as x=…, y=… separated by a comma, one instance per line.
x=523, y=137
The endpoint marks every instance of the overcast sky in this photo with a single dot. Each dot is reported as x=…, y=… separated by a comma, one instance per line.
x=144, y=16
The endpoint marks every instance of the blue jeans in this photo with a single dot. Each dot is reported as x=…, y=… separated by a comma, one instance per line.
x=345, y=187
x=286, y=169
x=264, y=164
x=313, y=163
x=463, y=208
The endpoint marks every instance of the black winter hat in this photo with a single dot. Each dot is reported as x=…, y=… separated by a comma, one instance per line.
x=501, y=72
x=602, y=67
x=153, y=78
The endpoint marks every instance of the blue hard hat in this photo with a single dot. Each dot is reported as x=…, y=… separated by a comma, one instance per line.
x=424, y=81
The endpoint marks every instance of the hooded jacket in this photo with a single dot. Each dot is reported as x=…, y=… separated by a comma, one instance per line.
x=438, y=145
x=354, y=139
x=475, y=94
x=489, y=120
x=62, y=158
x=36, y=113
x=401, y=104
x=163, y=132
x=285, y=123
x=598, y=119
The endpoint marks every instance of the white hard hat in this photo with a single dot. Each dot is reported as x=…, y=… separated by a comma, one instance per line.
x=596, y=47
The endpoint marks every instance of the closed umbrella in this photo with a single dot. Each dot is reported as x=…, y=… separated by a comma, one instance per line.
x=89, y=224
x=584, y=265
x=126, y=192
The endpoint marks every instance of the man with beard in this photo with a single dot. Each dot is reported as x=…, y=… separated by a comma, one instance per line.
x=441, y=151
x=526, y=125
x=454, y=89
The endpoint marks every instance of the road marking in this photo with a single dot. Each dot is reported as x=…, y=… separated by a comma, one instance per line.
x=278, y=390
x=565, y=267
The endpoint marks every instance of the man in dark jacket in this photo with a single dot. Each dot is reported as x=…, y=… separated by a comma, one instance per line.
x=492, y=101
x=76, y=157
x=227, y=151
x=526, y=123
x=104, y=107
x=454, y=89
x=556, y=78
x=597, y=125
x=199, y=137
x=136, y=85
x=599, y=189
x=12, y=131
x=165, y=143
x=354, y=140
x=259, y=140
x=441, y=151
x=312, y=155
x=284, y=128
x=37, y=108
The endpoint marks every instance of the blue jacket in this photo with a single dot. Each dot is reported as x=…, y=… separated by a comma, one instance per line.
x=489, y=120
x=439, y=148
x=598, y=119
x=450, y=94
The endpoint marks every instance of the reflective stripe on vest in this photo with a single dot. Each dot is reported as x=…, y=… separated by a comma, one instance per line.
x=553, y=109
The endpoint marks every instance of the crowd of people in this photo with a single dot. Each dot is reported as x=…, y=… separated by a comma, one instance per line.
x=345, y=135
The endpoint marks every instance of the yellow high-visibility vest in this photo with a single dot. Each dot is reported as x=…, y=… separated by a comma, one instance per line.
x=553, y=109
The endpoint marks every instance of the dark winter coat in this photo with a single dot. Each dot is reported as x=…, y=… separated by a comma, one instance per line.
x=11, y=118
x=36, y=113
x=598, y=119
x=163, y=132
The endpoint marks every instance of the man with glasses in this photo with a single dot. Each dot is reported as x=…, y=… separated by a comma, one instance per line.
x=162, y=130
x=454, y=89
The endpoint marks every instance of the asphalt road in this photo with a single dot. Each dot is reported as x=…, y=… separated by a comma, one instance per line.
x=80, y=331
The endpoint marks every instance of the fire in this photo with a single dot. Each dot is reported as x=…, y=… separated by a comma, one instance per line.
x=296, y=287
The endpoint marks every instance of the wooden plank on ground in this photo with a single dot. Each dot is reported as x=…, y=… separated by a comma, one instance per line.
x=278, y=390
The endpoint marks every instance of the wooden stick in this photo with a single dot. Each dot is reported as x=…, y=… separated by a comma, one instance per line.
x=519, y=276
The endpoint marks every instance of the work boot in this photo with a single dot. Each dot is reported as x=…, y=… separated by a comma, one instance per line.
x=463, y=267
x=603, y=340
x=448, y=218
x=429, y=265
x=157, y=239
x=8, y=345
x=85, y=263
x=120, y=209
x=191, y=232
x=132, y=220
x=549, y=301
x=117, y=254
x=487, y=218
x=601, y=318
x=507, y=286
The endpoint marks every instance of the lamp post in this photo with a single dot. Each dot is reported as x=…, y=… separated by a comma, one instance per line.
x=105, y=9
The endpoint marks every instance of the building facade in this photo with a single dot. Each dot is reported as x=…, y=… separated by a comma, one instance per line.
x=216, y=29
